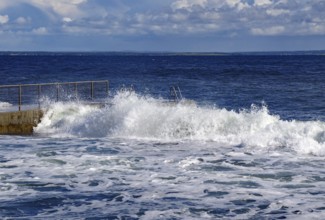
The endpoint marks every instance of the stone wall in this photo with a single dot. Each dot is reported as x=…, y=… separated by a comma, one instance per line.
x=19, y=123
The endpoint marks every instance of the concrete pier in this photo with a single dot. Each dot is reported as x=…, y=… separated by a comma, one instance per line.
x=20, y=122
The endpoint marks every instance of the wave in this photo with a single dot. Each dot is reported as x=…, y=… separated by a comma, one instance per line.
x=134, y=116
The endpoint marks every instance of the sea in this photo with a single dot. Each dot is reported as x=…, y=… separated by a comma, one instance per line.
x=246, y=141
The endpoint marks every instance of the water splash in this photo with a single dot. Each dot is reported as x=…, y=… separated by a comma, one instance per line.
x=5, y=105
x=142, y=117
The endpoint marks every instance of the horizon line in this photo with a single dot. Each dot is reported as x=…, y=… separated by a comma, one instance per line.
x=162, y=52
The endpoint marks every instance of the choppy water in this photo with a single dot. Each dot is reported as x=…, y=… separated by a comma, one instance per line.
x=251, y=147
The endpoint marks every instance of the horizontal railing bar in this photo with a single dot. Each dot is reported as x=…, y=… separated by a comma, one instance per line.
x=50, y=84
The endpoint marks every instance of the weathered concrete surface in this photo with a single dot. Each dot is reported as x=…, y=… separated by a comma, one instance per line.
x=19, y=123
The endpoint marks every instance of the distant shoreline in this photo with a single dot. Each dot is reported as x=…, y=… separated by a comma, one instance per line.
x=136, y=53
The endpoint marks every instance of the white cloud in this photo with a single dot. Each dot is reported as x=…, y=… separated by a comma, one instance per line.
x=210, y=16
x=116, y=17
x=275, y=30
x=262, y=2
x=65, y=8
x=240, y=5
x=188, y=4
x=179, y=17
x=4, y=19
x=59, y=7
x=317, y=28
x=66, y=19
x=22, y=20
x=277, y=12
x=40, y=31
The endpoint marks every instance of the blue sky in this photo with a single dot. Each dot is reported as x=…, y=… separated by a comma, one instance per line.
x=166, y=25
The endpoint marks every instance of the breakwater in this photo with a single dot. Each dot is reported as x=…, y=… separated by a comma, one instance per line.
x=20, y=122
x=28, y=99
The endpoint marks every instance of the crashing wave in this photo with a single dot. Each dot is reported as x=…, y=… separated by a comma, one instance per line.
x=133, y=116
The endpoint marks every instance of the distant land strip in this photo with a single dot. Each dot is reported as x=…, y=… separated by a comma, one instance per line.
x=162, y=53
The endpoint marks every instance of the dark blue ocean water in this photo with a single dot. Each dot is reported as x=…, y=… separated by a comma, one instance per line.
x=291, y=86
x=250, y=146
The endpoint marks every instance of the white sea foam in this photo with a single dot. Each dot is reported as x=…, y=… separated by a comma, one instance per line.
x=5, y=105
x=140, y=117
x=190, y=179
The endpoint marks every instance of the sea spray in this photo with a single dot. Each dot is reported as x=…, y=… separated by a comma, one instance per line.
x=5, y=106
x=64, y=119
x=131, y=115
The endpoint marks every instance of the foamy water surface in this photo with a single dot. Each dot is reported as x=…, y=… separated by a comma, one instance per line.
x=142, y=158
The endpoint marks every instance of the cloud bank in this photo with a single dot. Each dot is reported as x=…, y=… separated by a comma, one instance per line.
x=124, y=18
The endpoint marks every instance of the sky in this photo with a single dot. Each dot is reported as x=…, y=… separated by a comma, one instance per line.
x=162, y=25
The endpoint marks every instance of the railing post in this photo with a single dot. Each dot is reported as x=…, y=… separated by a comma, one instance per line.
x=92, y=90
x=19, y=98
x=76, y=90
x=57, y=92
x=39, y=96
x=107, y=85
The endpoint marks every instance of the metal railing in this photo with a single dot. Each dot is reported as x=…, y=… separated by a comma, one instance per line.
x=175, y=93
x=32, y=94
